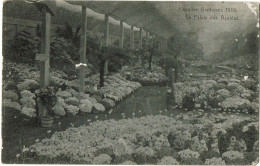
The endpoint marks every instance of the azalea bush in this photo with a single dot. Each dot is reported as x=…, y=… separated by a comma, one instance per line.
x=143, y=75
x=145, y=139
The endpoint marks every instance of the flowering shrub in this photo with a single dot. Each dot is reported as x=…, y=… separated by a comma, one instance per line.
x=85, y=105
x=102, y=159
x=215, y=161
x=27, y=94
x=72, y=101
x=59, y=107
x=235, y=103
x=99, y=107
x=141, y=139
x=28, y=84
x=188, y=154
x=30, y=112
x=236, y=145
x=198, y=145
x=28, y=103
x=168, y=160
x=235, y=88
x=121, y=148
x=115, y=87
x=73, y=110
x=179, y=139
x=63, y=94
x=10, y=95
x=199, y=90
x=230, y=156
x=160, y=142
x=144, y=75
x=222, y=94
x=12, y=105
x=128, y=163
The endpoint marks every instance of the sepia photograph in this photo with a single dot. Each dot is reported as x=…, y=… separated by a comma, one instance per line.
x=130, y=82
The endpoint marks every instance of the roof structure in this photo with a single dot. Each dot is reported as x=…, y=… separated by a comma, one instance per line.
x=141, y=14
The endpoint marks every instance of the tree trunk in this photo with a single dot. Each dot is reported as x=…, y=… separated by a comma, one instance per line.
x=150, y=60
x=102, y=72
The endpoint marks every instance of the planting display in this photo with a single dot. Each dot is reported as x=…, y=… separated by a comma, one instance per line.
x=145, y=76
x=130, y=83
x=225, y=94
x=156, y=139
x=62, y=96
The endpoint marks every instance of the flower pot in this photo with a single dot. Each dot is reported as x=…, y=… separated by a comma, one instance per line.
x=46, y=121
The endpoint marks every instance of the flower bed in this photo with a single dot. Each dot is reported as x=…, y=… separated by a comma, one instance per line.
x=151, y=140
x=115, y=89
x=69, y=101
x=155, y=76
x=228, y=94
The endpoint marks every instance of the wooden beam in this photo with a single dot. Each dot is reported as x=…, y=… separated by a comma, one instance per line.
x=121, y=40
x=45, y=48
x=140, y=38
x=132, y=37
x=140, y=45
x=147, y=39
x=166, y=44
x=83, y=42
x=106, y=37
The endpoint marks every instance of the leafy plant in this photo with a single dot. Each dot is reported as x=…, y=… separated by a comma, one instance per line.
x=67, y=33
x=112, y=54
x=47, y=96
x=24, y=47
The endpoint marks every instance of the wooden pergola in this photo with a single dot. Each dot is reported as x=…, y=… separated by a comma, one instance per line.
x=142, y=15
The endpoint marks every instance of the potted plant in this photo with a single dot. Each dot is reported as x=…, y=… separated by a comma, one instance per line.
x=46, y=99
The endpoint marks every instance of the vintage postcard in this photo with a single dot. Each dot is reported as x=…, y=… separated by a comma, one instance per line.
x=130, y=82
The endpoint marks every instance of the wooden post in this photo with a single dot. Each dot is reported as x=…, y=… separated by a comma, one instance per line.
x=45, y=48
x=121, y=40
x=44, y=58
x=140, y=45
x=151, y=36
x=83, y=42
x=172, y=81
x=140, y=38
x=106, y=36
x=166, y=44
x=132, y=37
x=147, y=39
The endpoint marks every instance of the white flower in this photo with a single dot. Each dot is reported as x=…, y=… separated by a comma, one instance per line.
x=188, y=154
x=168, y=160
x=29, y=112
x=72, y=109
x=215, y=161
x=232, y=155
x=25, y=149
x=18, y=155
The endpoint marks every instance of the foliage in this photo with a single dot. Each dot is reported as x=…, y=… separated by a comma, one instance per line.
x=23, y=47
x=67, y=33
x=47, y=95
x=26, y=45
x=117, y=57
